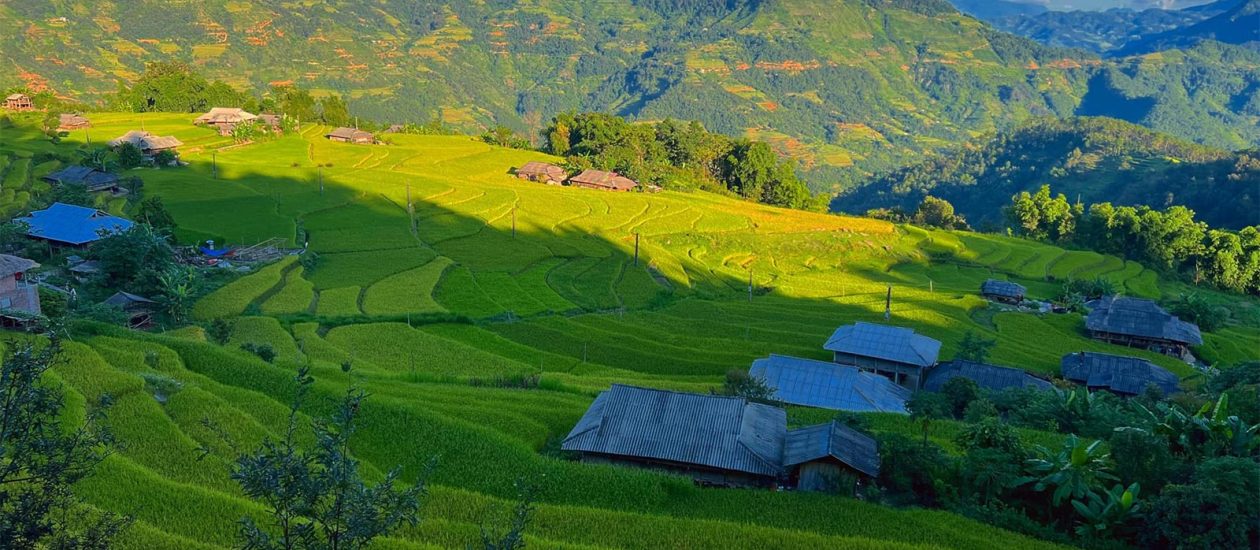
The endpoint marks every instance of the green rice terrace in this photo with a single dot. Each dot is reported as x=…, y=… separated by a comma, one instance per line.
x=483, y=314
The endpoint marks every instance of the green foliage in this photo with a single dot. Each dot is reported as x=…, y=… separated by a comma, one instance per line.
x=129, y=156
x=740, y=384
x=1206, y=512
x=934, y=212
x=134, y=260
x=172, y=86
x=1072, y=472
x=974, y=347
x=264, y=351
x=153, y=213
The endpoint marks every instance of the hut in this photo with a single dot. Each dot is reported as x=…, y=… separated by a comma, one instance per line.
x=1118, y=374
x=72, y=121
x=18, y=102
x=599, y=179
x=820, y=458
x=272, y=123
x=715, y=440
x=351, y=135
x=90, y=178
x=147, y=143
x=70, y=225
x=896, y=352
x=225, y=119
x=395, y=129
x=1003, y=291
x=990, y=377
x=827, y=385
x=139, y=309
x=1141, y=323
x=542, y=172
x=19, y=299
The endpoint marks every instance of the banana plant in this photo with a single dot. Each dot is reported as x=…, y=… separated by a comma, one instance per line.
x=1211, y=431
x=1102, y=515
x=1072, y=472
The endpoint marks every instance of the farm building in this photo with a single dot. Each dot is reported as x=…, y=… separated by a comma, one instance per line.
x=224, y=119
x=139, y=309
x=1118, y=374
x=715, y=440
x=1141, y=323
x=829, y=386
x=92, y=179
x=351, y=135
x=70, y=121
x=818, y=458
x=83, y=270
x=990, y=377
x=896, y=352
x=70, y=225
x=148, y=144
x=271, y=122
x=1003, y=291
x=19, y=300
x=599, y=179
x=542, y=172
x=395, y=129
x=18, y=102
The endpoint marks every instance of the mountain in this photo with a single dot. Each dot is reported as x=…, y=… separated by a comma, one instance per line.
x=851, y=88
x=1087, y=159
x=1240, y=24
x=989, y=10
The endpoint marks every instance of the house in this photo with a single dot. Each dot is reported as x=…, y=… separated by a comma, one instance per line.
x=827, y=385
x=1141, y=323
x=599, y=179
x=84, y=269
x=92, y=179
x=1118, y=374
x=69, y=121
x=272, y=123
x=18, y=102
x=395, y=129
x=542, y=172
x=896, y=352
x=139, y=309
x=351, y=135
x=70, y=225
x=147, y=143
x=225, y=119
x=19, y=299
x=990, y=377
x=1003, y=291
x=716, y=440
x=819, y=458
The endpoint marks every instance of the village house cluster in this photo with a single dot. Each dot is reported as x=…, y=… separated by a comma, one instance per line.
x=603, y=180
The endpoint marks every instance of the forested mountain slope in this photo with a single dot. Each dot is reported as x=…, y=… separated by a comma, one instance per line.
x=865, y=83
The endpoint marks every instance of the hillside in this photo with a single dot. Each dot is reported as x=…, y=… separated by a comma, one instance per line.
x=1235, y=25
x=443, y=308
x=1102, y=32
x=1094, y=160
x=917, y=75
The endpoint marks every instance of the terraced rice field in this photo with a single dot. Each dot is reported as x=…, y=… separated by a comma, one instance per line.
x=443, y=280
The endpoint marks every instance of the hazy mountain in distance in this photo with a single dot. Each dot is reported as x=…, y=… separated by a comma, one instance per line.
x=1120, y=30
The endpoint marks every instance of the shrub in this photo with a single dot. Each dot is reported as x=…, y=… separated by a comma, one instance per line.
x=263, y=351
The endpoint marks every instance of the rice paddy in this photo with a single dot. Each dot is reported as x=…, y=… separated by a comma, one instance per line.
x=445, y=282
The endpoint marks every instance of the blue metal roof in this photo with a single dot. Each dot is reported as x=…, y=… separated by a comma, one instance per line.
x=1118, y=373
x=829, y=385
x=885, y=342
x=67, y=223
x=835, y=440
x=1142, y=318
x=987, y=376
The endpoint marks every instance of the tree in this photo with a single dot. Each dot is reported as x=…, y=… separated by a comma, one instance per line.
x=295, y=103
x=1142, y=457
x=973, y=347
x=219, y=331
x=334, y=111
x=1217, y=510
x=959, y=392
x=936, y=212
x=912, y=471
x=316, y=497
x=134, y=259
x=504, y=137
x=1072, y=472
x=178, y=288
x=40, y=460
x=129, y=156
x=514, y=537
x=153, y=212
x=740, y=383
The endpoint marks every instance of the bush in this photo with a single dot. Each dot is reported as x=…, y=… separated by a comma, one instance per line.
x=913, y=472
x=263, y=351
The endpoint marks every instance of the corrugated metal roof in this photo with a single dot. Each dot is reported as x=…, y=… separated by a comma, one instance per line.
x=601, y=178
x=727, y=433
x=829, y=385
x=146, y=141
x=1118, y=373
x=350, y=133
x=1142, y=318
x=898, y=344
x=858, y=450
x=67, y=223
x=226, y=115
x=83, y=175
x=10, y=265
x=1008, y=289
x=987, y=376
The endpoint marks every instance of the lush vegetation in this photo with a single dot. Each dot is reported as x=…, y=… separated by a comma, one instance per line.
x=482, y=313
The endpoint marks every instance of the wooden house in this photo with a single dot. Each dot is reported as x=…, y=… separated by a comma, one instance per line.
x=825, y=385
x=990, y=377
x=70, y=121
x=715, y=440
x=271, y=123
x=896, y=352
x=225, y=119
x=599, y=179
x=139, y=309
x=1141, y=323
x=351, y=135
x=148, y=144
x=19, y=298
x=18, y=102
x=1118, y=374
x=69, y=225
x=1003, y=291
x=90, y=178
x=395, y=129
x=828, y=457
x=542, y=172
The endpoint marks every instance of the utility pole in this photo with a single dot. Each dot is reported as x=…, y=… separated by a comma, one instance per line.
x=319, y=175
x=513, y=221
x=636, y=248
x=214, y=163
x=750, y=285
x=931, y=287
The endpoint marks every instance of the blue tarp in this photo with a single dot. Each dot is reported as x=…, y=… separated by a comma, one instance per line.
x=67, y=223
x=217, y=253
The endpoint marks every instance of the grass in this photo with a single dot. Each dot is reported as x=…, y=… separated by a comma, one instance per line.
x=441, y=322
